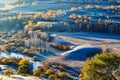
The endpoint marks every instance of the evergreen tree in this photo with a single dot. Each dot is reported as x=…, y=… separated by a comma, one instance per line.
x=105, y=66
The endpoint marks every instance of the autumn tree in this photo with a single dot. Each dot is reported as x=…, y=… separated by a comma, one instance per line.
x=37, y=72
x=24, y=67
x=63, y=75
x=52, y=77
x=49, y=72
x=9, y=71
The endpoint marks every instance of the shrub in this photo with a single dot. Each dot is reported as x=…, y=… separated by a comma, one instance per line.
x=26, y=51
x=6, y=48
x=4, y=60
x=7, y=61
x=32, y=48
x=63, y=75
x=34, y=58
x=73, y=9
x=66, y=47
x=52, y=77
x=37, y=72
x=49, y=72
x=42, y=75
x=61, y=67
x=9, y=71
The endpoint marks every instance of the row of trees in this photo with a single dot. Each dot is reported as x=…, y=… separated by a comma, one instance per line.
x=96, y=1
x=111, y=7
x=78, y=23
x=83, y=23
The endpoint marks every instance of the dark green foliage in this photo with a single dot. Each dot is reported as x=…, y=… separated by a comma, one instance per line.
x=23, y=69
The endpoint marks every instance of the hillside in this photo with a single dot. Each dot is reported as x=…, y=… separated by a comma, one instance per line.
x=59, y=39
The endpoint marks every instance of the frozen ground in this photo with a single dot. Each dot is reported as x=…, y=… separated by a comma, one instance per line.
x=18, y=77
x=7, y=7
x=88, y=38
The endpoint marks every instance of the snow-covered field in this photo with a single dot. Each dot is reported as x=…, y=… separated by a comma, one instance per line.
x=18, y=77
x=7, y=7
x=83, y=45
x=88, y=38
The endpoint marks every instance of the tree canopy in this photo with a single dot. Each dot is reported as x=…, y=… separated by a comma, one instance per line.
x=24, y=67
x=105, y=66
